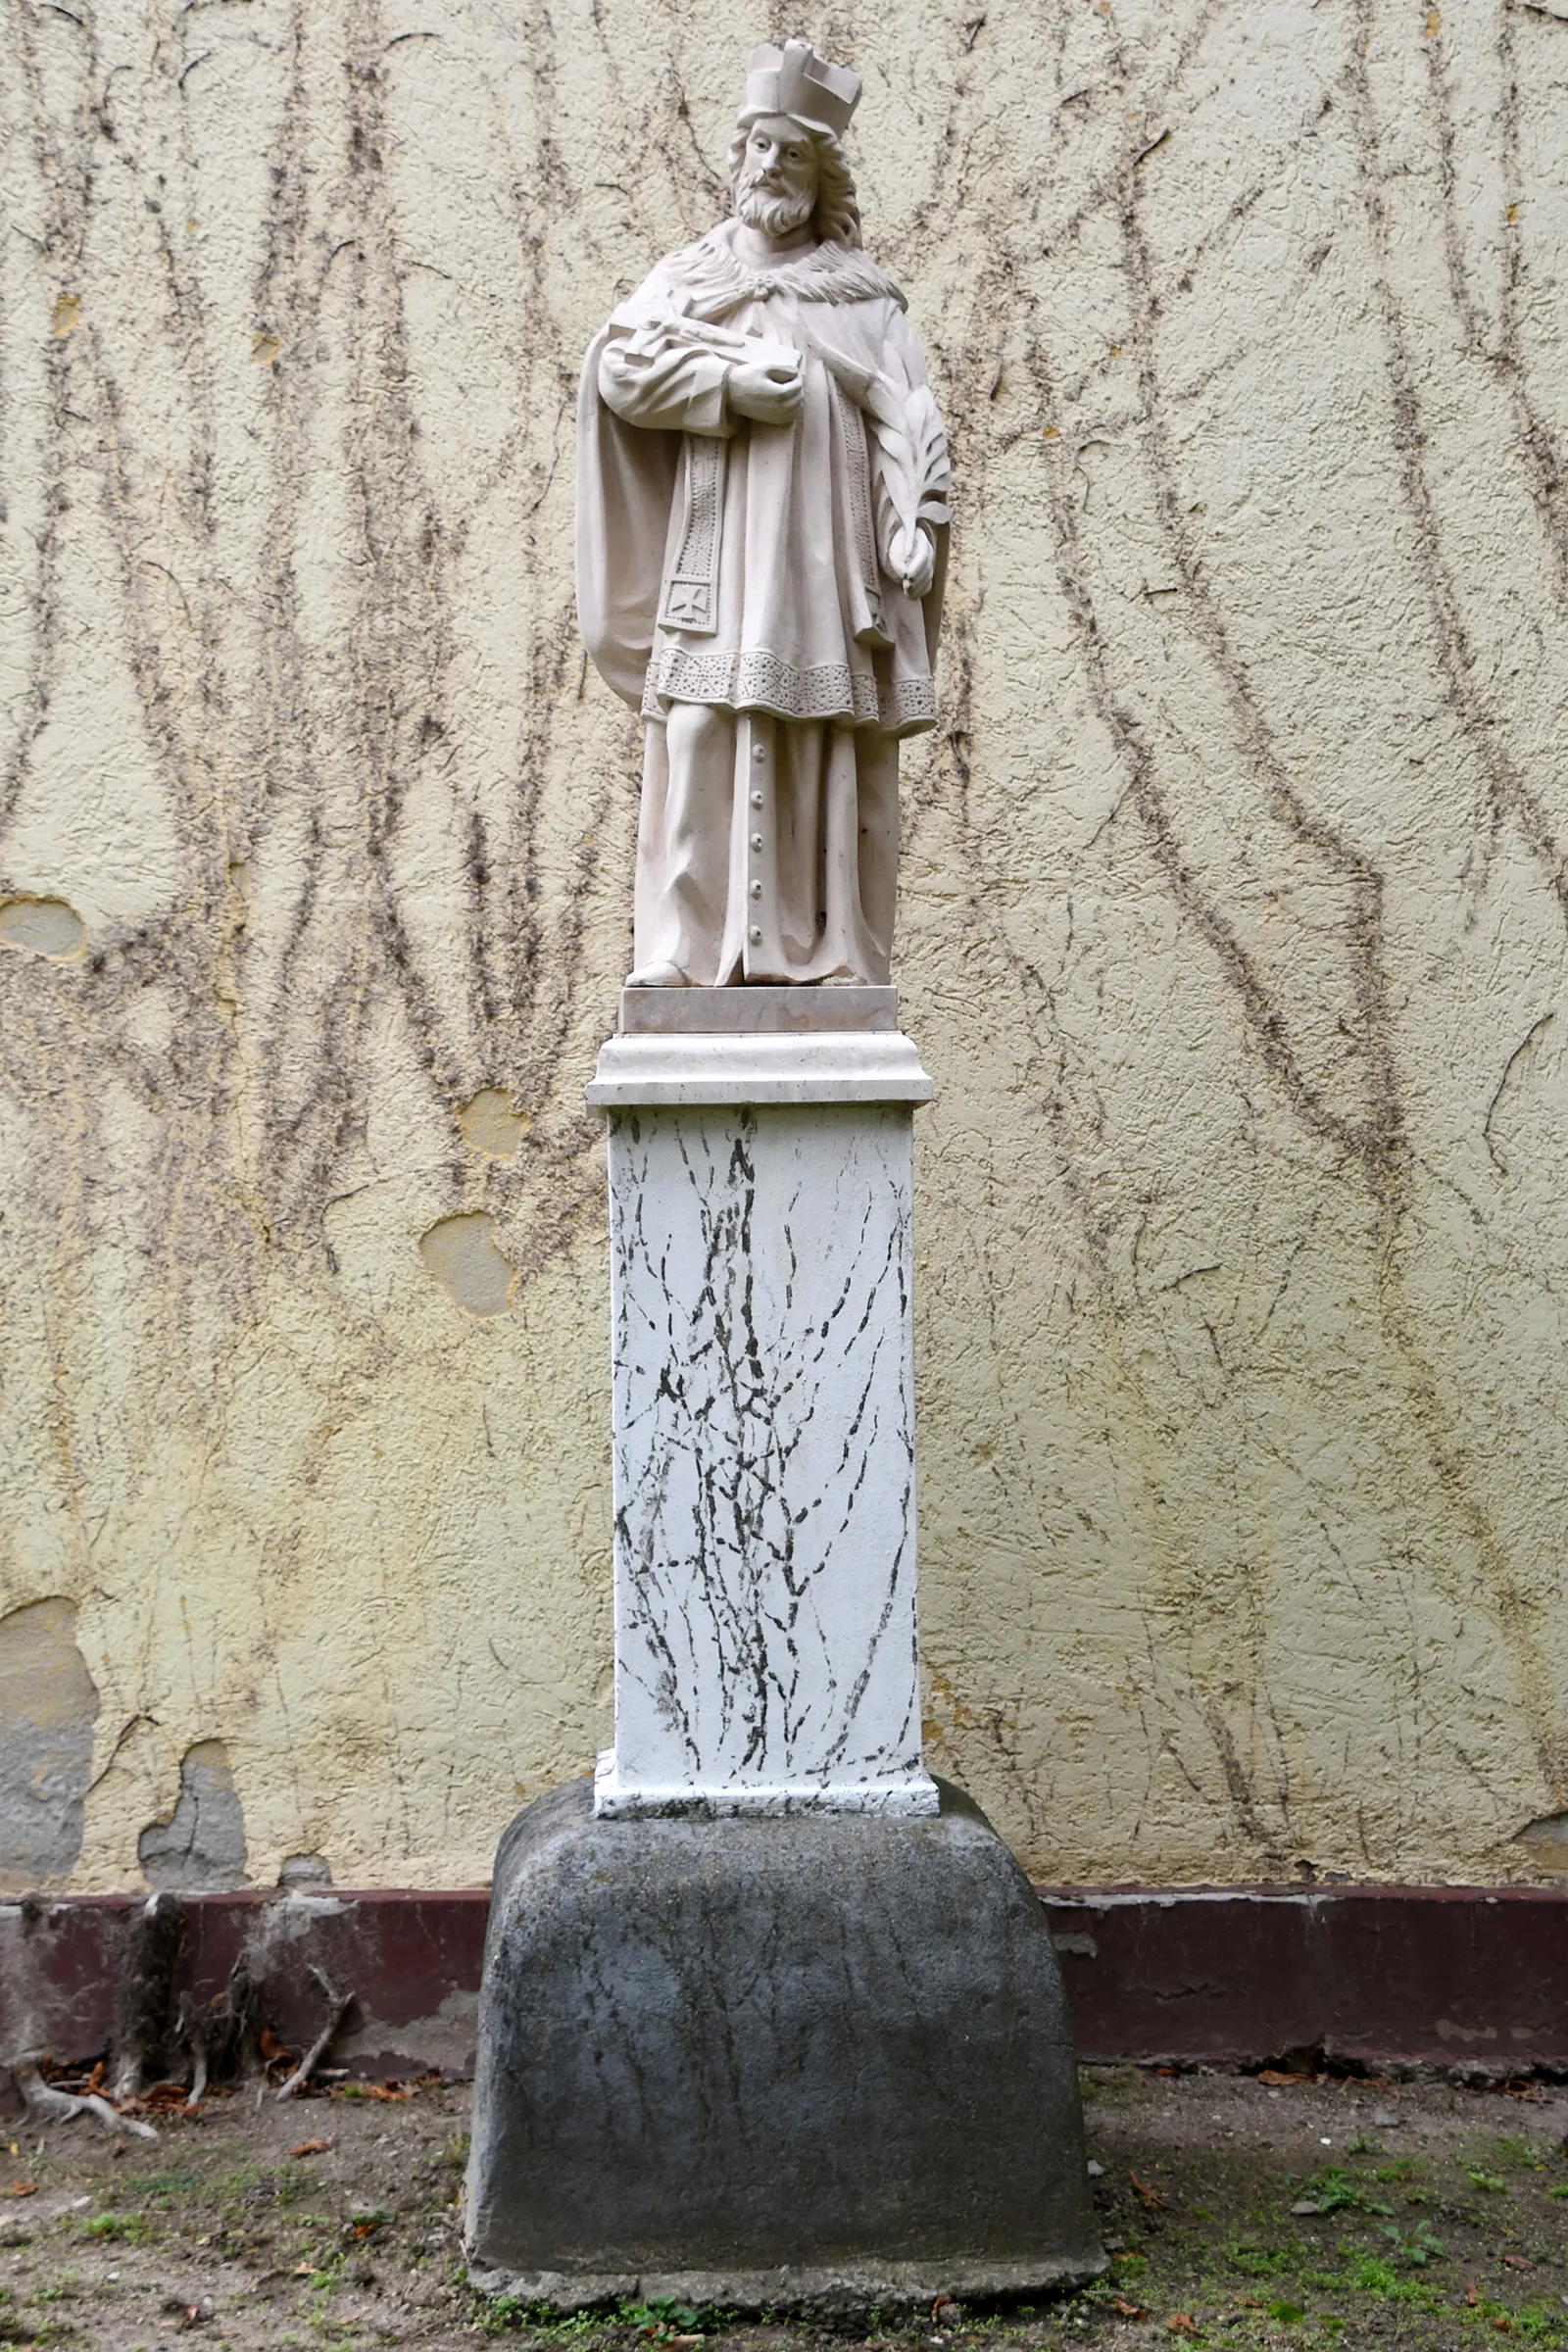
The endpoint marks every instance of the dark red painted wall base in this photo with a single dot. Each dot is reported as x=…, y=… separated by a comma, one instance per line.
x=411, y=1959
x=1364, y=1975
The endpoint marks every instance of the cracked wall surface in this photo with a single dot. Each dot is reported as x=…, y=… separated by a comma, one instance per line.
x=1233, y=917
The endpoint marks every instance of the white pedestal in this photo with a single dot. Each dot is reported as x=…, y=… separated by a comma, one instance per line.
x=760, y=1195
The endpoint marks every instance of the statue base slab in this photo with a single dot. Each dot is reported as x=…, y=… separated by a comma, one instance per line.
x=749, y=1011
x=816, y=2062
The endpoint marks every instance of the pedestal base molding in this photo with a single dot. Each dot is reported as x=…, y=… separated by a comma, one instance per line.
x=821, y=2061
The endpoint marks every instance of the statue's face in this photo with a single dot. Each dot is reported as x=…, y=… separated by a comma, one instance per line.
x=776, y=192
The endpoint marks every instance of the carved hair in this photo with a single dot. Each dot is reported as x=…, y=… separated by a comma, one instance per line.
x=835, y=215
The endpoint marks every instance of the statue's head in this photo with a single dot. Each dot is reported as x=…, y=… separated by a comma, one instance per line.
x=787, y=164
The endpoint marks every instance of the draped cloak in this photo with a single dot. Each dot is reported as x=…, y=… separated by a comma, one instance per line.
x=751, y=568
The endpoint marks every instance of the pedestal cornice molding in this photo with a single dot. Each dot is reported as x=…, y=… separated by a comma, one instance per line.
x=825, y=1066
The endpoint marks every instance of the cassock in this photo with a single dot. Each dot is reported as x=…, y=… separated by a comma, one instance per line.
x=739, y=582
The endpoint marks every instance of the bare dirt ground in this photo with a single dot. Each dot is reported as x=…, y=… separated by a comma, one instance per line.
x=1240, y=2211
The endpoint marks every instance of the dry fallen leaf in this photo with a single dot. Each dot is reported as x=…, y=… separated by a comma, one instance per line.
x=1519, y=2262
x=1149, y=2192
x=23, y=2188
x=310, y=2147
x=1182, y=2323
x=1129, y=2310
x=1271, y=2075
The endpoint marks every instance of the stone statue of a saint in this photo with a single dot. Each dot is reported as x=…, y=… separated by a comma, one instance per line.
x=761, y=510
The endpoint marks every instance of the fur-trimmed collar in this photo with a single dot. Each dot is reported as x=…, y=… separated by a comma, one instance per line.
x=711, y=278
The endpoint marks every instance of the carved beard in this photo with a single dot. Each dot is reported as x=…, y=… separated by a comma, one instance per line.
x=774, y=214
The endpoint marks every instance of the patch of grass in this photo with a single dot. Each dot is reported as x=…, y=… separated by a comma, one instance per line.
x=158, y=2188
x=661, y=2317
x=229, y=2187
x=1335, y=2190
x=1537, y=2322
x=1416, y=2250
x=1116, y=2088
x=506, y=2315
x=497, y=2315
x=1517, y=2150
x=1492, y=2182
x=135, y=2227
x=1371, y=2275
x=1258, y=2262
x=500, y=2315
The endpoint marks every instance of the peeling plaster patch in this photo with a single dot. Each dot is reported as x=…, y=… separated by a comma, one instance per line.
x=201, y=1845
x=47, y=1707
x=446, y=2039
x=461, y=1254
x=1545, y=1841
x=42, y=927
x=493, y=1124
x=304, y=1870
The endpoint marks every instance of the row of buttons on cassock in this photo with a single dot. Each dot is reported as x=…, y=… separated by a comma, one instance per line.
x=756, y=934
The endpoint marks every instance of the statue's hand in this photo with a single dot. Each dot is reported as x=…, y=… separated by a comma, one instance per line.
x=914, y=560
x=768, y=391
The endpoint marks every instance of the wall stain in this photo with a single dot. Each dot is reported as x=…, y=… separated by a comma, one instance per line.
x=201, y=1846
x=48, y=1705
x=47, y=927
x=461, y=1255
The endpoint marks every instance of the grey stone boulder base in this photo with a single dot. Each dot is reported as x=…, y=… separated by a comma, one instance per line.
x=816, y=2062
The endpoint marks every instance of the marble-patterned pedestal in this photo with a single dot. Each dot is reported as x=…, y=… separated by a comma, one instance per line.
x=761, y=1191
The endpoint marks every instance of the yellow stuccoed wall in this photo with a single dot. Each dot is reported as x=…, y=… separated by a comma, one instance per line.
x=1233, y=922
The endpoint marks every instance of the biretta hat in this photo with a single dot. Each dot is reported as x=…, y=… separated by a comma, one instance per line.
x=795, y=80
